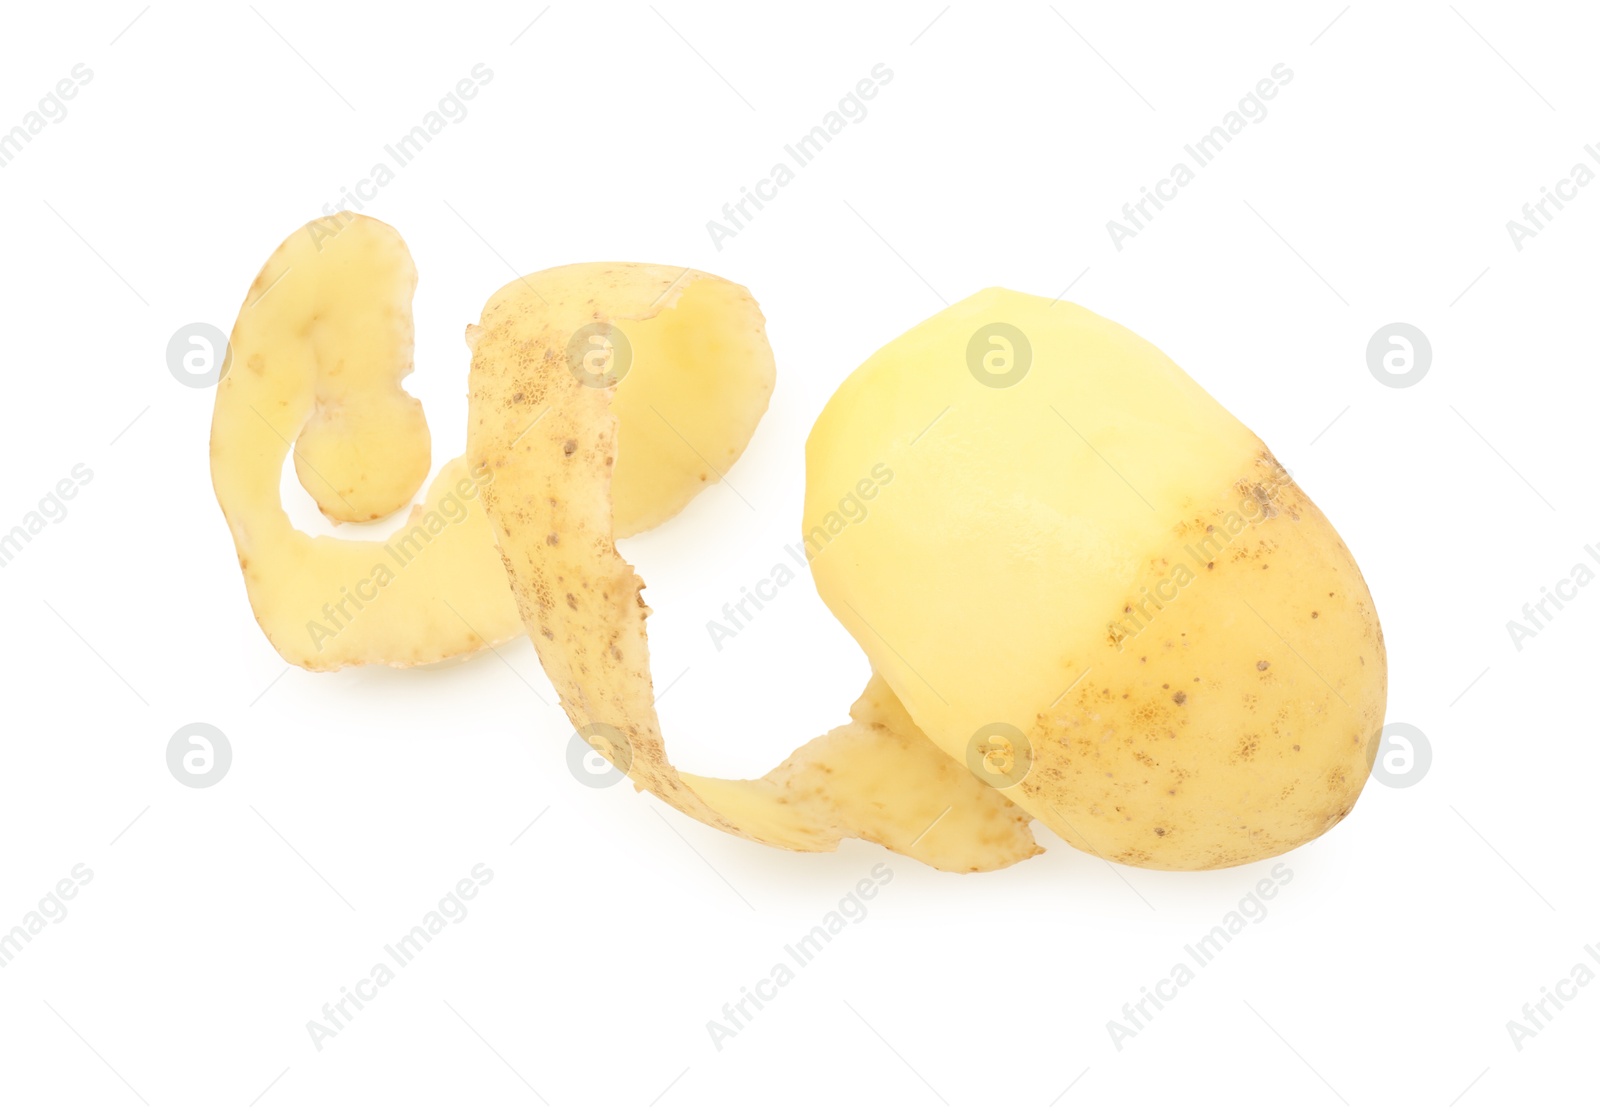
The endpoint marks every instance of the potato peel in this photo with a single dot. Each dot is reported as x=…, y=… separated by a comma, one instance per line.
x=319, y=351
x=551, y=442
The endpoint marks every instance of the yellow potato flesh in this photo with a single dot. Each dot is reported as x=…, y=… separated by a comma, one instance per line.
x=1017, y=571
x=686, y=409
x=553, y=444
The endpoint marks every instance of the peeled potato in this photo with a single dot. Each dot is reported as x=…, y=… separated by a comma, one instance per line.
x=1085, y=564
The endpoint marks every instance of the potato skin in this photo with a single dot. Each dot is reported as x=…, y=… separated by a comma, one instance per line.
x=1235, y=722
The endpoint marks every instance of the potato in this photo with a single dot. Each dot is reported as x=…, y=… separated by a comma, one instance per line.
x=551, y=509
x=1083, y=564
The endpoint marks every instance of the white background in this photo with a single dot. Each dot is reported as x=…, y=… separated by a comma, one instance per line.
x=218, y=923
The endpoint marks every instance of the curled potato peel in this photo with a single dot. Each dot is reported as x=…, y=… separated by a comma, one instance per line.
x=604, y=396
x=551, y=508
x=320, y=349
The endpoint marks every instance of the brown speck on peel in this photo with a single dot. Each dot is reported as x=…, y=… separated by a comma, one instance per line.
x=1161, y=832
x=1262, y=666
x=1179, y=698
x=1313, y=614
x=552, y=539
x=569, y=448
